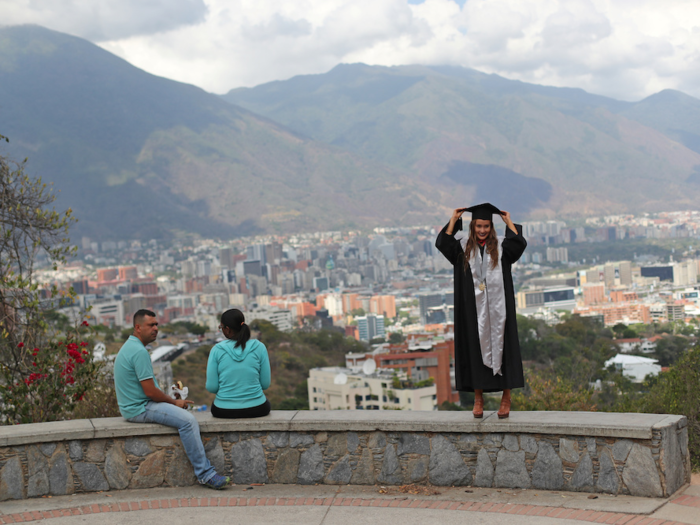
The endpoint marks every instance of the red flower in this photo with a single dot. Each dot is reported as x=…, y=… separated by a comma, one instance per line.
x=34, y=364
x=36, y=351
x=83, y=343
x=84, y=323
x=85, y=352
x=20, y=345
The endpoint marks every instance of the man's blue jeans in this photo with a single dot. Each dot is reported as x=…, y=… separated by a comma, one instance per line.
x=186, y=424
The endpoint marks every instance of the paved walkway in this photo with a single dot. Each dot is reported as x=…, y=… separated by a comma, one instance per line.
x=327, y=505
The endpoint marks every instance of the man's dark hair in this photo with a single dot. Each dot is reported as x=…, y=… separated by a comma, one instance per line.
x=141, y=315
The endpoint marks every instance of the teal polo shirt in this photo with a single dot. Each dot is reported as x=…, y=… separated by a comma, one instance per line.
x=132, y=365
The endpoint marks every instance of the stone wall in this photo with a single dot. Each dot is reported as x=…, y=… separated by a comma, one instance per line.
x=637, y=454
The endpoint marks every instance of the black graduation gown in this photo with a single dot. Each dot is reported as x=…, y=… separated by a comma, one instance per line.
x=470, y=372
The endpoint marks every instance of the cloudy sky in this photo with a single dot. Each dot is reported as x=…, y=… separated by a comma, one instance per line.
x=626, y=49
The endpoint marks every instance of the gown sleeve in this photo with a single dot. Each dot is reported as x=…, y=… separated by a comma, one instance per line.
x=448, y=245
x=513, y=245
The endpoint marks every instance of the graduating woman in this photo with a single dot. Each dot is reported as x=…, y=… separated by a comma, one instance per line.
x=487, y=352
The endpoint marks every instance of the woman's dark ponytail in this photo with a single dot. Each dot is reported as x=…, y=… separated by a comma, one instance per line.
x=236, y=322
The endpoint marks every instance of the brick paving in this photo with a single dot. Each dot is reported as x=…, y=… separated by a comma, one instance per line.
x=414, y=503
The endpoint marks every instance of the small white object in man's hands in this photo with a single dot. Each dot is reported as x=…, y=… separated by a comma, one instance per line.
x=178, y=391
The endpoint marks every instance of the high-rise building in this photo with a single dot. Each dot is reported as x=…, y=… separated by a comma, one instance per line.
x=427, y=300
x=370, y=327
x=127, y=273
x=225, y=258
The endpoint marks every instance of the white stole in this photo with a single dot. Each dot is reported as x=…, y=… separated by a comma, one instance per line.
x=490, y=306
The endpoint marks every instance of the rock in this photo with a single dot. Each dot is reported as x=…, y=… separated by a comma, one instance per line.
x=547, y=473
x=47, y=449
x=75, y=449
x=151, y=472
x=511, y=471
x=493, y=440
x=96, y=451
x=179, y=471
x=340, y=473
x=364, y=471
x=484, y=470
x=215, y=453
x=608, y=478
x=446, y=464
x=671, y=460
x=621, y=449
x=337, y=445
x=468, y=438
x=321, y=437
x=286, y=467
x=568, y=450
x=418, y=469
x=90, y=477
x=231, y=437
x=278, y=439
x=410, y=443
x=640, y=474
x=12, y=480
x=38, y=471
x=591, y=446
x=353, y=441
x=60, y=474
x=117, y=470
x=164, y=441
x=528, y=444
x=311, y=466
x=137, y=447
x=377, y=440
x=248, y=461
x=391, y=468
x=510, y=442
x=296, y=439
x=583, y=475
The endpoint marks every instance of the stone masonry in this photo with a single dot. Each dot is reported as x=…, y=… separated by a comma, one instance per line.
x=645, y=456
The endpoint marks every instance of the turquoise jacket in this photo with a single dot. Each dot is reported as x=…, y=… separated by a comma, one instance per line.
x=237, y=376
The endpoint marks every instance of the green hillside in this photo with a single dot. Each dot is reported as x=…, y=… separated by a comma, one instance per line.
x=562, y=151
x=138, y=155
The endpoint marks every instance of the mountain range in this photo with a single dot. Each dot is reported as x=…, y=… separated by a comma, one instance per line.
x=137, y=155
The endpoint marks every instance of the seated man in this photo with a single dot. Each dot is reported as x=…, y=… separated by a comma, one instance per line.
x=141, y=401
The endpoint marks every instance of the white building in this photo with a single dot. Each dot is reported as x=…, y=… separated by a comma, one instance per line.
x=336, y=388
x=108, y=312
x=282, y=319
x=685, y=273
x=635, y=367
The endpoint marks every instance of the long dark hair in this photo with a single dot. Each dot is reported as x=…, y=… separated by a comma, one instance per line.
x=236, y=322
x=491, y=245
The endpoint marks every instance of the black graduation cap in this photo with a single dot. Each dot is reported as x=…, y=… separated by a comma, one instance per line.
x=483, y=211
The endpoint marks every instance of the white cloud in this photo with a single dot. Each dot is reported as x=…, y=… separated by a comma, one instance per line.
x=100, y=20
x=627, y=49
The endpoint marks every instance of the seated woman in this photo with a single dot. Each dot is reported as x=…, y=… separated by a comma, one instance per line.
x=238, y=371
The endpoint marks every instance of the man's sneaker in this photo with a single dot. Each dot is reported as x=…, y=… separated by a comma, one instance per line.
x=218, y=482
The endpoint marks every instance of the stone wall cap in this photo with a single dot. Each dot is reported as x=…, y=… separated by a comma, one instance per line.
x=593, y=424
x=275, y=421
x=111, y=427
x=13, y=435
x=388, y=420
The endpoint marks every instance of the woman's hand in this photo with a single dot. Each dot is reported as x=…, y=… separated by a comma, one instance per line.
x=506, y=218
x=456, y=215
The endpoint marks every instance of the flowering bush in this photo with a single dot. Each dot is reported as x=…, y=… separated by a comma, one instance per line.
x=49, y=381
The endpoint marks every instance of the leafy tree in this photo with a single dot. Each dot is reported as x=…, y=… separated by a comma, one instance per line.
x=46, y=366
x=676, y=392
x=552, y=393
x=396, y=338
